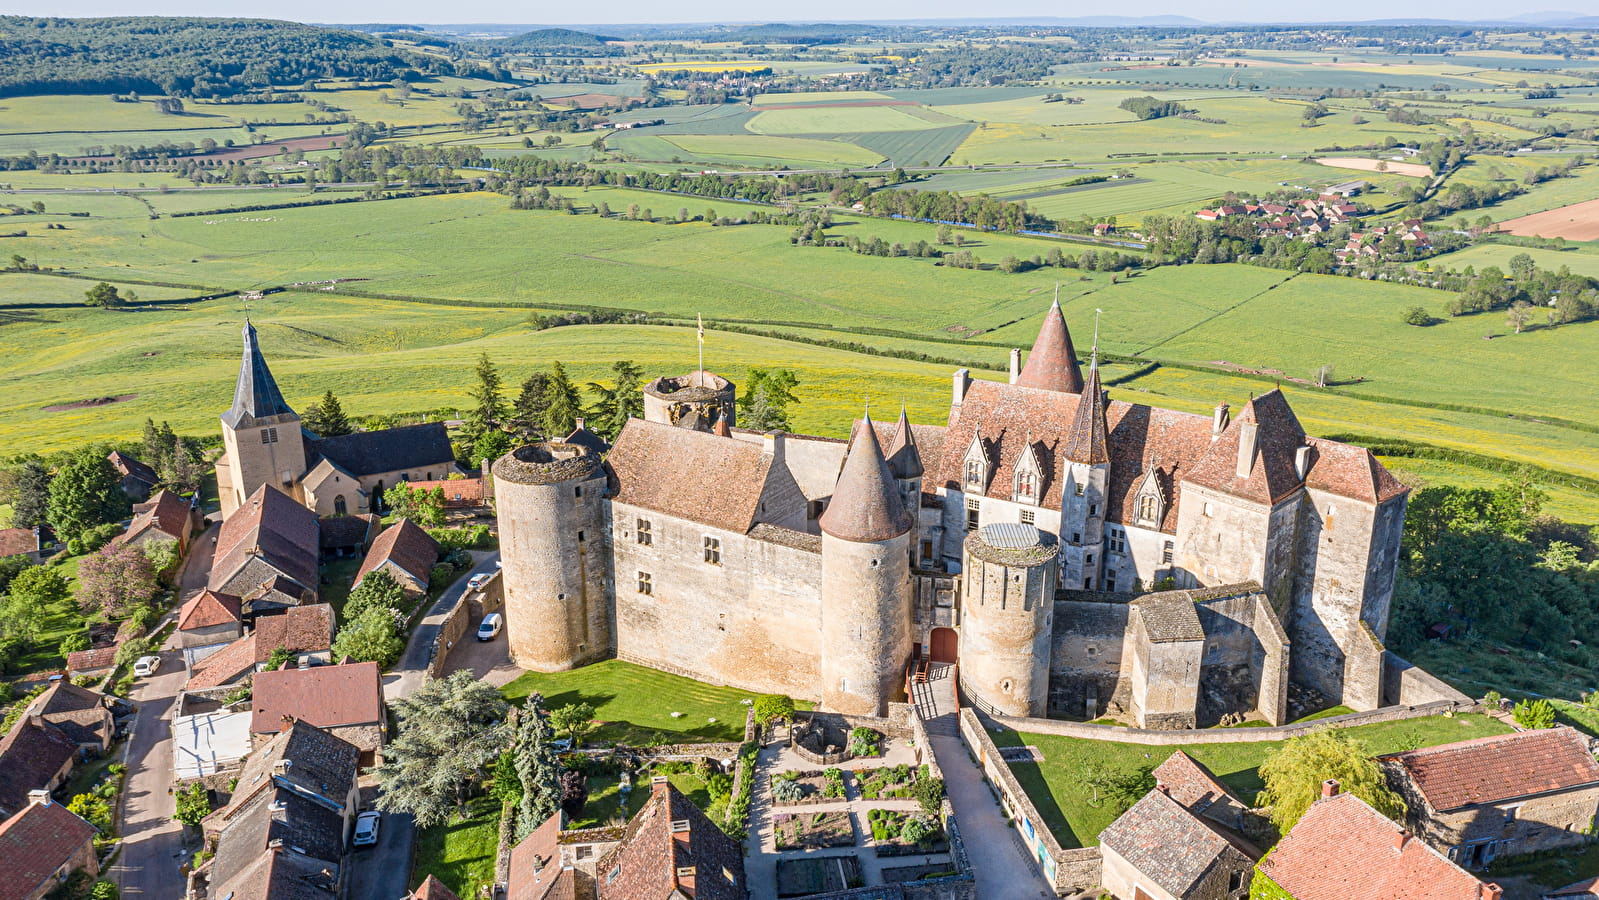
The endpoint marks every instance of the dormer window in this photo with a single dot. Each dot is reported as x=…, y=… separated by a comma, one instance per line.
x=976, y=467
x=1150, y=507
x=974, y=473
x=1027, y=486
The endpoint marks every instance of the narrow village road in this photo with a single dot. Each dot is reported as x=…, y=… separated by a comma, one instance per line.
x=150, y=865
x=382, y=872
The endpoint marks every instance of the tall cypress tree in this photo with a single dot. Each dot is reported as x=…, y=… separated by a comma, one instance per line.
x=536, y=766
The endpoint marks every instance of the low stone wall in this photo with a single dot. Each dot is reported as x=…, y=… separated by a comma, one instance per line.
x=1406, y=684
x=1069, y=871
x=1154, y=738
x=450, y=632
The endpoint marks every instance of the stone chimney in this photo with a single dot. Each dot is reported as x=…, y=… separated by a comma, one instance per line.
x=39, y=798
x=579, y=425
x=1302, y=462
x=1248, y=444
x=658, y=785
x=1218, y=423
x=684, y=877
x=1329, y=788
x=772, y=445
x=285, y=724
x=1015, y=364
x=963, y=380
x=1401, y=838
x=1490, y=891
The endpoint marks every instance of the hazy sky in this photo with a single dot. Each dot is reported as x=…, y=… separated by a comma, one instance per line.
x=424, y=11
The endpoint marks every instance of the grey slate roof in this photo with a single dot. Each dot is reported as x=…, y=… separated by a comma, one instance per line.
x=1170, y=617
x=1086, y=441
x=1166, y=843
x=256, y=396
x=409, y=447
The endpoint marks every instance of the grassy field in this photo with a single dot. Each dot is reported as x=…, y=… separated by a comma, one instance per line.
x=460, y=853
x=1581, y=259
x=636, y=704
x=1057, y=788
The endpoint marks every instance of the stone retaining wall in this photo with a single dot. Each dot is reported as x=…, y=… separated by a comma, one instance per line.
x=450, y=632
x=1404, y=683
x=1069, y=871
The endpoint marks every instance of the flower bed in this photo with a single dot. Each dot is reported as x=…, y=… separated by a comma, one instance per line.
x=813, y=831
x=890, y=781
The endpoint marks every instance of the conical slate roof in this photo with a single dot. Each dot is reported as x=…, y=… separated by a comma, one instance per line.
x=904, y=460
x=1052, y=366
x=257, y=395
x=866, y=507
x=1086, y=441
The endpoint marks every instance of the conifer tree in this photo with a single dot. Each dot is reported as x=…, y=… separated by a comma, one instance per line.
x=326, y=417
x=536, y=766
x=562, y=404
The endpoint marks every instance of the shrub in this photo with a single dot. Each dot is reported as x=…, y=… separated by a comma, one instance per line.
x=104, y=890
x=864, y=742
x=918, y=829
x=929, y=792
x=771, y=708
x=719, y=786
x=475, y=538
x=785, y=791
x=1534, y=714
x=1419, y=316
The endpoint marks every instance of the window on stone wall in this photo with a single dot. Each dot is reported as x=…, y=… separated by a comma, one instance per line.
x=269, y=435
x=1110, y=579
x=1148, y=508
x=1093, y=509
x=646, y=584
x=1088, y=583
x=1207, y=509
x=972, y=509
x=1117, y=539
x=645, y=536
x=1026, y=485
x=340, y=507
x=585, y=851
x=713, y=551
x=1077, y=489
x=1167, y=551
x=1027, y=517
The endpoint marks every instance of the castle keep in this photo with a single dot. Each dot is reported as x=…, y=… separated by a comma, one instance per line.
x=1075, y=555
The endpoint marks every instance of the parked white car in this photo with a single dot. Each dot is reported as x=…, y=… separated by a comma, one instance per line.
x=477, y=581
x=366, y=828
x=490, y=628
x=146, y=665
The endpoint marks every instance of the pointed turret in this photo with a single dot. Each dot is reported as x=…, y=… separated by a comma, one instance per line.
x=1052, y=366
x=904, y=460
x=256, y=396
x=1086, y=441
x=865, y=507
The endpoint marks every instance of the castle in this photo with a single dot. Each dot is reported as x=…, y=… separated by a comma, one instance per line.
x=1072, y=554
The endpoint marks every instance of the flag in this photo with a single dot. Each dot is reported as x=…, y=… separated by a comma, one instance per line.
x=701, y=321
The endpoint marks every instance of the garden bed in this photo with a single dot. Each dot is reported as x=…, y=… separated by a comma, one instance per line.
x=813, y=831
x=814, y=787
x=889, y=782
x=893, y=833
x=803, y=877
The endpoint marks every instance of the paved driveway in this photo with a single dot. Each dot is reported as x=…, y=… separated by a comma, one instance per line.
x=152, y=849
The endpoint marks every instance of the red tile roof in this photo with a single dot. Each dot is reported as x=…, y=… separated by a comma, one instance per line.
x=1498, y=768
x=128, y=466
x=671, y=846
x=80, y=661
x=324, y=696
x=1052, y=366
x=405, y=545
x=1086, y=439
x=14, y=541
x=535, y=871
x=272, y=527
x=1271, y=474
x=31, y=754
x=166, y=513
x=1342, y=849
x=298, y=629
x=34, y=843
x=432, y=889
x=223, y=666
x=1190, y=783
x=208, y=608
x=458, y=492
x=689, y=474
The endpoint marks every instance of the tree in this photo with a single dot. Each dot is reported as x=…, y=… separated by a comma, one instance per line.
x=370, y=637
x=575, y=720
x=72, y=643
x=1518, y=315
x=771, y=708
x=536, y=766
x=1418, y=315
x=115, y=580
x=614, y=405
x=30, y=495
x=103, y=295
x=528, y=411
x=767, y=395
x=326, y=418
x=85, y=492
x=507, y=785
x=279, y=656
x=1294, y=776
x=489, y=406
x=561, y=403
x=574, y=793
x=27, y=605
x=424, y=507
x=448, y=731
x=194, y=804
x=1534, y=714
x=378, y=590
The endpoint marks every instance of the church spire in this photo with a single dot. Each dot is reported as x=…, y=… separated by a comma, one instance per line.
x=904, y=460
x=866, y=507
x=1052, y=366
x=1086, y=442
x=256, y=396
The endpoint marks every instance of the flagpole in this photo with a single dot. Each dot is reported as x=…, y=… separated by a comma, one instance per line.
x=700, y=376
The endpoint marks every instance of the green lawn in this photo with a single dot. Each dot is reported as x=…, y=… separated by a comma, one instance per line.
x=636, y=703
x=62, y=619
x=604, y=806
x=337, y=576
x=461, y=852
x=1057, y=789
x=1550, y=869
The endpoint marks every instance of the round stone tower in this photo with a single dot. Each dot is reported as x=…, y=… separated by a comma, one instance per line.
x=698, y=400
x=554, y=555
x=866, y=586
x=1006, y=605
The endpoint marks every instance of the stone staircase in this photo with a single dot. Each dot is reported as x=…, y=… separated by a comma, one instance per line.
x=934, y=697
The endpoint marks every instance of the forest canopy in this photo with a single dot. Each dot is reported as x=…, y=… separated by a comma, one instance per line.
x=193, y=57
